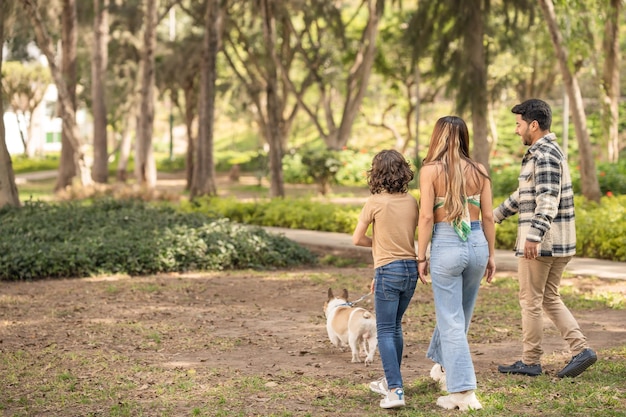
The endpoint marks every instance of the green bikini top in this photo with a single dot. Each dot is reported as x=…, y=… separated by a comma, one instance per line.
x=462, y=226
x=472, y=199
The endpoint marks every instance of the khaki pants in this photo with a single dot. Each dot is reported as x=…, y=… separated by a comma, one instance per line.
x=539, y=281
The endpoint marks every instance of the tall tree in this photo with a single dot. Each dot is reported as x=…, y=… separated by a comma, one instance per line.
x=402, y=77
x=203, y=181
x=328, y=45
x=69, y=28
x=457, y=36
x=8, y=189
x=25, y=86
x=145, y=166
x=100, y=168
x=611, y=79
x=255, y=50
x=68, y=114
x=458, y=28
x=182, y=86
x=273, y=105
x=590, y=186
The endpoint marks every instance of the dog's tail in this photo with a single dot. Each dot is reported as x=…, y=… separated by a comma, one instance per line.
x=367, y=315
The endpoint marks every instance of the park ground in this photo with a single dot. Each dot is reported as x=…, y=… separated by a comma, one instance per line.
x=252, y=343
x=175, y=344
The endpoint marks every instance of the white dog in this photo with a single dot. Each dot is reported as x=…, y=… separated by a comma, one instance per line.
x=355, y=327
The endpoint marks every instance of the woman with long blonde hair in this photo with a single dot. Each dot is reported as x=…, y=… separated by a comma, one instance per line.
x=456, y=220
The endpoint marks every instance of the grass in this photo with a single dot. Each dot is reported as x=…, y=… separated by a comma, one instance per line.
x=36, y=190
x=110, y=367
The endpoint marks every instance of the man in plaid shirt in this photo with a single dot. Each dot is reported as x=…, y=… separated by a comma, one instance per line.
x=546, y=241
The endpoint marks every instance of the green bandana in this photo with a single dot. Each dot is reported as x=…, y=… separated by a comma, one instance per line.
x=462, y=228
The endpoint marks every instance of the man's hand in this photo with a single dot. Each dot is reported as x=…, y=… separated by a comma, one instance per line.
x=531, y=250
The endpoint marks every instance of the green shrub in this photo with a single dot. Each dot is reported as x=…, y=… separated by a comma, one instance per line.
x=611, y=178
x=504, y=180
x=176, y=164
x=292, y=213
x=347, y=166
x=601, y=228
x=131, y=237
x=22, y=164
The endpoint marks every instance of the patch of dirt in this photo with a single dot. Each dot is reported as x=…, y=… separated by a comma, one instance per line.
x=225, y=324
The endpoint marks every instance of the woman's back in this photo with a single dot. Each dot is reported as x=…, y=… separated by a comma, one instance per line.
x=474, y=183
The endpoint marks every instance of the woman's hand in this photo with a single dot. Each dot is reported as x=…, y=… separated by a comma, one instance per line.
x=490, y=272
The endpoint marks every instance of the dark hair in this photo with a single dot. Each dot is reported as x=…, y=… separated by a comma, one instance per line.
x=390, y=172
x=535, y=109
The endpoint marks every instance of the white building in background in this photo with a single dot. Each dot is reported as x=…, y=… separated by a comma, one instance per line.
x=45, y=127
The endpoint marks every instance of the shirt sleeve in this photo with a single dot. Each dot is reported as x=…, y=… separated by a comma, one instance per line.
x=548, y=191
x=508, y=208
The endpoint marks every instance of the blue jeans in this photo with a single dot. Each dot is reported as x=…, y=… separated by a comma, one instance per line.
x=456, y=269
x=394, y=286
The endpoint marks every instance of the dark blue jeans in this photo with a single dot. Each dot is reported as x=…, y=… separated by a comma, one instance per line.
x=394, y=287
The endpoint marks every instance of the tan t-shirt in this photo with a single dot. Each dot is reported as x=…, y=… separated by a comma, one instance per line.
x=394, y=220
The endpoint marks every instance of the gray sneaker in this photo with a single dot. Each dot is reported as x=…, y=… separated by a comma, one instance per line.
x=379, y=386
x=579, y=364
x=521, y=368
x=393, y=399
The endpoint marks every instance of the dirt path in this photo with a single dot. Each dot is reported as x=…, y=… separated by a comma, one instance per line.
x=227, y=324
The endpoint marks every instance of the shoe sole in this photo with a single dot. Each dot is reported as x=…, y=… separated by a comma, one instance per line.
x=392, y=404
x=580, y=368
x=377, y=391
x=519, y=373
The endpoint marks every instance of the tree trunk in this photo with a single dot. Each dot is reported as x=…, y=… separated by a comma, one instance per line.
x=8, y=189
x=203, y=182
x=611, y=81
x=67, y=164
x=588, y=178
x=130, y=119
x=191, y=103
x=477, y=71
x=274, y=134
x=145, y=167
x=359, y=74
x=125, y=148
x=100, y=169
x=68, y=114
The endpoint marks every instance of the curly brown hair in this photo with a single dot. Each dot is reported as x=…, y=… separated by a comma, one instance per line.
x=390, y=172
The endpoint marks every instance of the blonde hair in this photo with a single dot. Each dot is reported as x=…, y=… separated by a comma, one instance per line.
x=449, y=145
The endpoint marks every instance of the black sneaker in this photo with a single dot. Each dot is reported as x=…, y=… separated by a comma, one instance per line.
x=521, y=368
x=578, y=364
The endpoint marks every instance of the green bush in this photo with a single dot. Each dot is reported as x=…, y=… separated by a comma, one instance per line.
x=22, y=164
x=601, y=228
x=611, y=178
x=346, y=167
x=292, y=213
x=504, y=179
x=131, y=237
x=176, y=164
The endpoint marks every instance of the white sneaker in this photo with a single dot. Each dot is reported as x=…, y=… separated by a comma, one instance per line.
x=439, y=375
x=459, y=400
x=379, y=386
x=393, y=399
